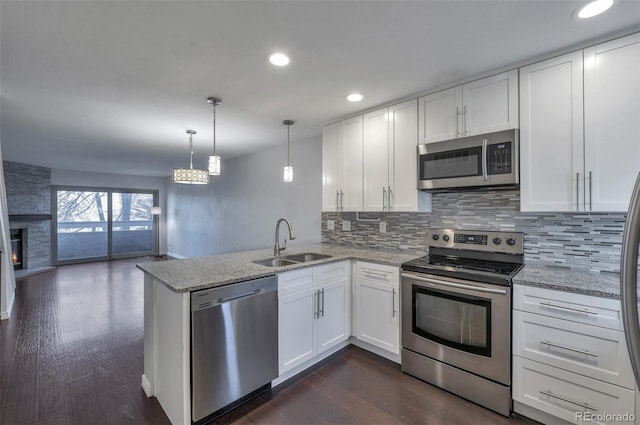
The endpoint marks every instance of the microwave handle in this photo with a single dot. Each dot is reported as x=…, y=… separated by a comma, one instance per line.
x=485, y=165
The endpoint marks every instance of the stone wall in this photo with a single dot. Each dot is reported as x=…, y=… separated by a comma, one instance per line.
x=578, y=240
x=29, y=192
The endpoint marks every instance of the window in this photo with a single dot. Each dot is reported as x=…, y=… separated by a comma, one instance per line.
x=93, y=224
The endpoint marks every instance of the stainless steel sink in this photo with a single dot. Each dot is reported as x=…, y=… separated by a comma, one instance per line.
x=306, y=256
x=288, y=260
x=275, y=262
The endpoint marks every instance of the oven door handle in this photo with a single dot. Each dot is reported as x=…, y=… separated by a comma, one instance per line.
x=456, y=285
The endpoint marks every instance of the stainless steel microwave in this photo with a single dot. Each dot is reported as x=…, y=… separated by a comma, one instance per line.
x=475, y=161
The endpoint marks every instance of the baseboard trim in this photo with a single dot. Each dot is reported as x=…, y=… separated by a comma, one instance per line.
x=303, y=367
x=5, y=315
x=376, y=350
x=176, y=256
x=146, y=386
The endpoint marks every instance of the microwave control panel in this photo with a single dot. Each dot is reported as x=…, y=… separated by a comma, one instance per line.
x=500, y=155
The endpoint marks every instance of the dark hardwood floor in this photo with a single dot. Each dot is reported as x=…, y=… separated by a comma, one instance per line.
x=72, y=353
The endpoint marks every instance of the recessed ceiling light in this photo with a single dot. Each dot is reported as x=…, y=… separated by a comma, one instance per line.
x=354, y=97
x=279, y=59
x=593, y=8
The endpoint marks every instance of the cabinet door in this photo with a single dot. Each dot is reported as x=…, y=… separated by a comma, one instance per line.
x=376, y=160
x=351, y=164
x=612, y=122
x=331, y=136
x=296, y=337
x=403, y=168
x=440, y=115
x=551, y=138
x=332, y=323
x=490, y=104
x=378, y=316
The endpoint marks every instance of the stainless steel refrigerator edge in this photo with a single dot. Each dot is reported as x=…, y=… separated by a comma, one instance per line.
x=234, y=344
x=629, y=280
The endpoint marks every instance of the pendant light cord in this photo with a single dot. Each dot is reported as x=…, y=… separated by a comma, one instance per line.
x=288, y=137
x=191, y=151
x=214, y=128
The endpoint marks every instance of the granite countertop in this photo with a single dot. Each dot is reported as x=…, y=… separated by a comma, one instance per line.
x=600, y=284
x=193, y=274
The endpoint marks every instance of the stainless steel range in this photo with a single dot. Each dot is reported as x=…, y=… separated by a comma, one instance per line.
x=456, y=314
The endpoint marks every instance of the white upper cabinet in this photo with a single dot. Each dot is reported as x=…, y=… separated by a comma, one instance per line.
x=331, y=175
x=342, y=165
x=390, y=159
x=376, y=160
x=482, y=106
x=580, y=129
x=551, y=137
x=612, y=122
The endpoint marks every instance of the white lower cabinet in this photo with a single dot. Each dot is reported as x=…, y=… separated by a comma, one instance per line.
x=313, y=312
x=569, y=358
x=377, y=305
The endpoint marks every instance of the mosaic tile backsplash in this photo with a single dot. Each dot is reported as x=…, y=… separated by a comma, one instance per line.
x=576, y=240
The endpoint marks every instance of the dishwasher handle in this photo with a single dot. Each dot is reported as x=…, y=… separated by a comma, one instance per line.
x=237, y=297
x=212, y=297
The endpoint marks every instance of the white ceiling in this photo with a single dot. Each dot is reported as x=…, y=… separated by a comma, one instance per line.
x=111, y=86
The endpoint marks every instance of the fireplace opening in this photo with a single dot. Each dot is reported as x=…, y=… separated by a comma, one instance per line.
x=19, y=248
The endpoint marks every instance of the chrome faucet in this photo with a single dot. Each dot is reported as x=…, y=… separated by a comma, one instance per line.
x=277, y=248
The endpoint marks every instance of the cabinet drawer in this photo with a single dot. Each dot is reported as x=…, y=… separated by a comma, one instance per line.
x=592, y=351
x=297, y=280
x=378, y=273
x=604, y=312
x=567, y=395
x=334, y=272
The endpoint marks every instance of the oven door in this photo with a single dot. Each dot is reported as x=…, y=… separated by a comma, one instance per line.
x=463, y=324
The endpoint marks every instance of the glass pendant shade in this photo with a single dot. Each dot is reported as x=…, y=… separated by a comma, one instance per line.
x=288, y=169
x=190, y=175
x=214, y=165
x=288, y=173
x=214, y=160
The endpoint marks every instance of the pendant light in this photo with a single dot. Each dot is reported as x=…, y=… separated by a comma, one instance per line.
x=214, y=160
x=190, y=175
x=288, y=169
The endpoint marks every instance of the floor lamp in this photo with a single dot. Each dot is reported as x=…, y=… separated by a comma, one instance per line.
x=155, y=212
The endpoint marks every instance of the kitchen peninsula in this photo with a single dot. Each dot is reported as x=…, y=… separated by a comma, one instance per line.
x=167, y=308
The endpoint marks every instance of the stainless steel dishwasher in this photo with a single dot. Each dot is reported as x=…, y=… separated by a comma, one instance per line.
x=234, y=345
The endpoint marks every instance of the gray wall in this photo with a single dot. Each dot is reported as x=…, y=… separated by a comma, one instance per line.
x=238, y=210
x=577, y=240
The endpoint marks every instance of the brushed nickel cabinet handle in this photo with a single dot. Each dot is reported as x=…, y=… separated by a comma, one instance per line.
x=564, y=347
x=393, y=302
x=561, y=307
x=578, y=191
x=464, y=120
x=548, y=393
x=590, y=193
x=384, y=198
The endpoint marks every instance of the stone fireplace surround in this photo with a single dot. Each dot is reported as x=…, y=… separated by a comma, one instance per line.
x=29, y=203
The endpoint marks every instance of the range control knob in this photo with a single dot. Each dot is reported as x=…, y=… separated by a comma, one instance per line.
x=445, y=238
x=435, y=237
x=511, y=242
x=497, y=241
